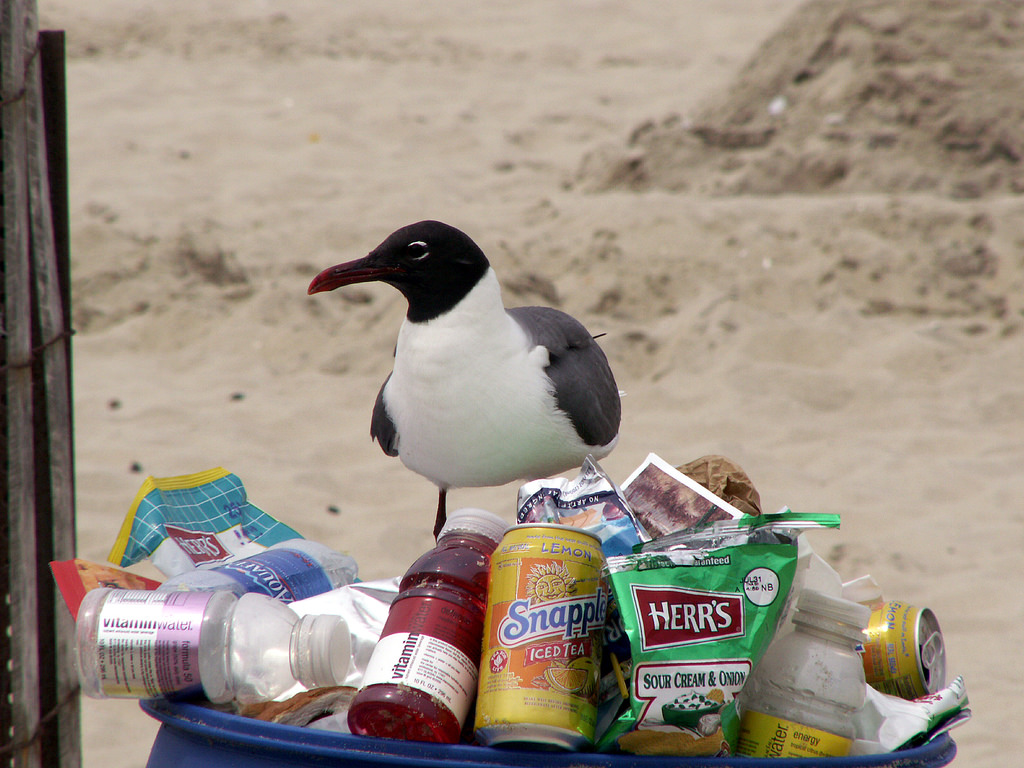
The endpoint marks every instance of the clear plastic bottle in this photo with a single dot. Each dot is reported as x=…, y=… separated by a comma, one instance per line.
x=421, y=679
x=290, y=570
x=800, y=699
x=147, y=643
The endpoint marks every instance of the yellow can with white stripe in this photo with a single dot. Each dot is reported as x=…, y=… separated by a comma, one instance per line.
x=543, y=635
x=904, y=654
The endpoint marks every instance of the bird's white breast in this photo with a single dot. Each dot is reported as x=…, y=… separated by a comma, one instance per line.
x=470, y=401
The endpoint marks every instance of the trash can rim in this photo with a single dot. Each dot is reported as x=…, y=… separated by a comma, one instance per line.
x=206, y=724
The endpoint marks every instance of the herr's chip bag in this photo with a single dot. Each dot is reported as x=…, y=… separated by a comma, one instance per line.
x=699, y=608
x=197, y=520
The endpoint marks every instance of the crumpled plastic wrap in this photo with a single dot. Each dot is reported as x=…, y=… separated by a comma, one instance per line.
x=886, y=723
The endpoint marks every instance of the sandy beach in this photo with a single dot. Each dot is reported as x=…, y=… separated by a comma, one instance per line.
x=800, y=227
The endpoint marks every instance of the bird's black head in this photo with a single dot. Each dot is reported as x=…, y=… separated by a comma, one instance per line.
x=434, y=266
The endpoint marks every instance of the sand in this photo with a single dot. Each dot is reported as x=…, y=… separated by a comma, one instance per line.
x=800, y=229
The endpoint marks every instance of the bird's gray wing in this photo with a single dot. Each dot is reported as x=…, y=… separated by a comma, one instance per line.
x=382, y=428
x=585, y=388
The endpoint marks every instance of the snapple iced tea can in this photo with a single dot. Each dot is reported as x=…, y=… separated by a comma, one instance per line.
x=903, y=653
x=543, y=631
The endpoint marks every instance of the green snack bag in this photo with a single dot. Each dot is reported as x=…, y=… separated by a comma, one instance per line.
x=700, y=608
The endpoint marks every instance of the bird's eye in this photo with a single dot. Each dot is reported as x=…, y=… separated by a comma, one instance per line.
x=417, y=251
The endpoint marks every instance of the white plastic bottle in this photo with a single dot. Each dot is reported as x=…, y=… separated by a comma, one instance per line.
x=800, y=699
x=145, y=643
x=288, y=571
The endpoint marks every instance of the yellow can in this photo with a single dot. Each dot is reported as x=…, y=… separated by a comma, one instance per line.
x=903, y=653
x=543, y=634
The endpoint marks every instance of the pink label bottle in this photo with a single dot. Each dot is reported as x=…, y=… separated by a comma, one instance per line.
x=144, y=644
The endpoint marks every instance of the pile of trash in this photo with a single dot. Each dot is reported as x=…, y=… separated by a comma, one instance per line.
x=666, y=616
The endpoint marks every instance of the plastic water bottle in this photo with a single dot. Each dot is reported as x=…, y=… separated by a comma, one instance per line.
x=421, y=679
x=288, y=571
x=800, y=699
x=148, y=643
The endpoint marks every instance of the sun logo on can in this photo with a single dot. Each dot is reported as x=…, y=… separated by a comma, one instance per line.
x=549, y=581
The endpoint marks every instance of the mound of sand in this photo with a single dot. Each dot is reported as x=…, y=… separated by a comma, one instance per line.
x=850, y=95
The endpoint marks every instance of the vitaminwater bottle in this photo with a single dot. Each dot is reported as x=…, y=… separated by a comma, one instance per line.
x=288, y=571
x=145, y=643
x=421, y=679
x=800, y=699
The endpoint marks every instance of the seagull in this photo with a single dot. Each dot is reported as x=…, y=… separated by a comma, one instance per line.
x=480, y=395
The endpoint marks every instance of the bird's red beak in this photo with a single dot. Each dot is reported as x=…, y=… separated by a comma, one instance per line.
x=362, y=270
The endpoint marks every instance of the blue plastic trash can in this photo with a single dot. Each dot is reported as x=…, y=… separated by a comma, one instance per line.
x=194, y=736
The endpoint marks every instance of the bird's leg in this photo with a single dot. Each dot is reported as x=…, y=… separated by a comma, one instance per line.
x=442, y=513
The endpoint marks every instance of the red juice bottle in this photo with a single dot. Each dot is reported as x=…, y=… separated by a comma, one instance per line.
x=421, y=678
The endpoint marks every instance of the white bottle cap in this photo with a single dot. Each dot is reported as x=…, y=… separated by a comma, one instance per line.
x=478, y=521
x=821, y=610
x=320, y=650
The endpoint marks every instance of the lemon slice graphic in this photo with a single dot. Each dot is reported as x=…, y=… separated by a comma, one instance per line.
x=566, y=679
x=586, y=665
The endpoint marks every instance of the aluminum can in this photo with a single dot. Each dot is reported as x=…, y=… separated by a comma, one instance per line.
x=904, y=654
x=543, y=634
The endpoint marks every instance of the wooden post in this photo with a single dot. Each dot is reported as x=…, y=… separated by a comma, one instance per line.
x=39, y=723
x=55, y=507
x=19, y=514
